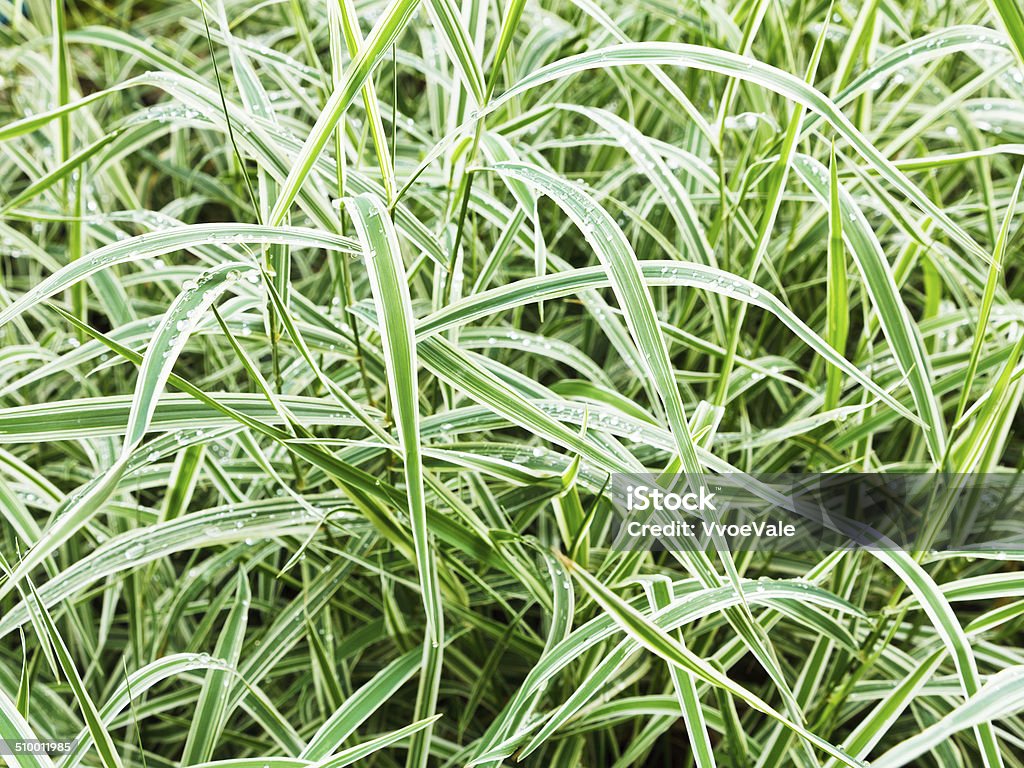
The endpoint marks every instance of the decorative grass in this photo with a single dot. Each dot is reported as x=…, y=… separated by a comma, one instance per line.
x=324, y=326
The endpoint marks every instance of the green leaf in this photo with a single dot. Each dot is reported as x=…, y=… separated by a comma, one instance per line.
x=384, y=266
x=617, y=257
x=212, y=710
x=103, y=742
x=900, y=330
x=1011, y=15
x=361, y=705
x=658, y=642
x=1001, y=696
x=744, y=68
x=384, y=33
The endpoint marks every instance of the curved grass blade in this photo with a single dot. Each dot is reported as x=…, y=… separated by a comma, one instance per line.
x=212, y=708
x=657, y=641
x=445, y=17
x=617, y=257
x=361, y=705
x=873, y=728
x=1011, y=14
x=367, y=748
x=665, y=182
x=744, y=68
x=987, y=299
x=384, y=266
x=387, y=29
x=104, y=743
x=168, y=340
x=386, y=271
x=166, y=241
x=692, y=275
x=14, y=728
x=948, y=627
x=137, y=683
x=1001, y=696
x=900, y=330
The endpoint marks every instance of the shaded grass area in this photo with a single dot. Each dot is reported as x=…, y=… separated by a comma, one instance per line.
x=324, y=326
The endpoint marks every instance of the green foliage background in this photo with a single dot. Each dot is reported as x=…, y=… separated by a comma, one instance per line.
x=324, y=324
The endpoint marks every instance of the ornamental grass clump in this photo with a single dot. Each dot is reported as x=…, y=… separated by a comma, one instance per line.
x=328, y=331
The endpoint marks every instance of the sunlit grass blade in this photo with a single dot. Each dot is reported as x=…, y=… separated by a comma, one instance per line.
x=1012, y=17
x=386, y=270
x=987, y=299
x=1001, y=695
x=383, y=259
x=383, y=34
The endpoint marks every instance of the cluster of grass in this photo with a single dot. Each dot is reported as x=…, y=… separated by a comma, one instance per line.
x=323, y=326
